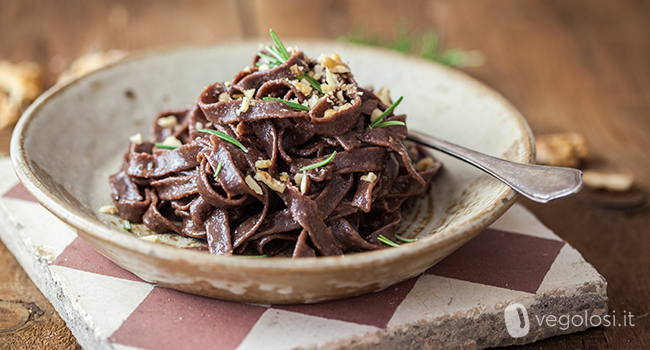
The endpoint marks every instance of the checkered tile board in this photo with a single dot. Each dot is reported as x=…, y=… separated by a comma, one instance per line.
x=459, y=302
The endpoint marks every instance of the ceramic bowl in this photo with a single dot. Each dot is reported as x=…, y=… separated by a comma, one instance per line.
x=70, y=140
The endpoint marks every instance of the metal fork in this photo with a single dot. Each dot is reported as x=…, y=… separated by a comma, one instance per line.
x=537, y=182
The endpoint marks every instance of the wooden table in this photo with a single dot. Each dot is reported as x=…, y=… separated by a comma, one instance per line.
x=579, y=66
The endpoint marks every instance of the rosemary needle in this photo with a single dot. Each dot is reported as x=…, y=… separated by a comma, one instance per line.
x=319, y=164
x=387, y=241
x=404, y=239
x=219, y=165
x=164, y=146
x=293, y=105
x=383, y=116
x=127, y=225
x=225, y=137
x=389, y=123
x=283, y=50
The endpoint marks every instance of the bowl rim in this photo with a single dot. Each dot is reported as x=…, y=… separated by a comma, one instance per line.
x=503, y=199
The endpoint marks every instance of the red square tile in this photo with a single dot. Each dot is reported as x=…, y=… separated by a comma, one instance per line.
x=19, y=192
x=374, y=309
x=168, y=319
x=501, y=259
x=79, y=255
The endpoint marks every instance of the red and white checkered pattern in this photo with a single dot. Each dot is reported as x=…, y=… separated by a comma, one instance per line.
x=516, y=260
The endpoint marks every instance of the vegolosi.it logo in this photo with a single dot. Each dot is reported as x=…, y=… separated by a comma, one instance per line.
x=518, y=321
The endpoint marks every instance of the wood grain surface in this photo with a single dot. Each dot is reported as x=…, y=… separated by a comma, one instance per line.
x=581, y=66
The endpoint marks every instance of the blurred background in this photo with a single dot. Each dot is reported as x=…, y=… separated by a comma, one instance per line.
x=569, y=66
x=555, y=60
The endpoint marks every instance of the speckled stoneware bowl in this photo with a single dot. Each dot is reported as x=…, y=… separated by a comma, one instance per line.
x=70, y=140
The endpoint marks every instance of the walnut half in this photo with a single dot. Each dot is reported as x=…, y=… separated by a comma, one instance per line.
x=20, y=84
x=567, y=150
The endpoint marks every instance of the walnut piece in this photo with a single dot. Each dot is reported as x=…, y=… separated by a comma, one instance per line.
x=616, y=182
x=567, y=150
x=20, y=84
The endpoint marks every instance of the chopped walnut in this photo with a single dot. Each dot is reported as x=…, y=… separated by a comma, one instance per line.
x=342, y=108
x=296, y=70
x=375, y=114
x=616, y=182
x=172, y=141
x=167, y=122
x=151, y=238
x=20, y=84
x=246, y=101
x=568, y=150
x=383, y=95
x=263, y=164
x=333, y=63
x=267, y=179
x=108, y=209
x=313, y=101
x=253, y=185
x=331, y=79
x=370, y=177
x=301, y=180
x=329, y=112
x=303, y=184
x=137, y=138
x=424, y=164
x=224, y=96
x=303, y=86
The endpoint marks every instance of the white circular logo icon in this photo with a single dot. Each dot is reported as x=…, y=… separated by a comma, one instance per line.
x=517, y=322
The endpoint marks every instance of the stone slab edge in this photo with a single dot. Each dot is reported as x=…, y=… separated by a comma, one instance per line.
x=38, y=271
x=478, y=328
x=484, y=327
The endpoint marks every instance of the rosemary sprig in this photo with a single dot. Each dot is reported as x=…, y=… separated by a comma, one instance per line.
x=272, y=60
x=404, y=239
x=126, y=224
x=283, y=50
x=225, y=137
x=278, y=56
x=281, y=55
x=387, y=241
x=256, y=256
x=383, y=116
x=425, y=44
x=164, y=146
x=219, y=165
x=278, y=53
x=289, y=103
x=319, y=164
x=389, y=123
